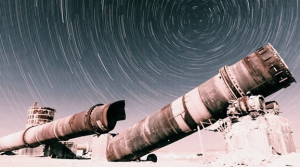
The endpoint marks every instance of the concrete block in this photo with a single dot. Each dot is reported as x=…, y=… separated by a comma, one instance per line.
x=269, y=134
x=37, y=151
x=100, y=145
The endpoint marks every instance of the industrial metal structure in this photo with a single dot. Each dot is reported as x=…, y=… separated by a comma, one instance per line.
x=246, y=105
x=97, y=120
x=262, y=72
x=255, y=124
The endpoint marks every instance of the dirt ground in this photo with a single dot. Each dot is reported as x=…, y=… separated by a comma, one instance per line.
x=164, y=160
x=212, y=159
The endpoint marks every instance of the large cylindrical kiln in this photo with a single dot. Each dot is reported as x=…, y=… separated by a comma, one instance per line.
x=262, y=72
x=98, y=119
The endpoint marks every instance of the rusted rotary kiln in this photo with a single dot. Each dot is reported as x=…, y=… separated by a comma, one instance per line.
x=262, y=72
x=98, y=119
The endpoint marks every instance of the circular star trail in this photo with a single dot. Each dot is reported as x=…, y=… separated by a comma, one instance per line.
x=70, y=55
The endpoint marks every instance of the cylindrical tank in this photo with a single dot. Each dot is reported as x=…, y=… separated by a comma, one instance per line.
x=98, y=119
x=39, y=115
x=262, y=72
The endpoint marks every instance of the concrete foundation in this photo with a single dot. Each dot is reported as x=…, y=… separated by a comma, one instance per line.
x=40, y=151
x=268, y=134
x=63, y=150
x=100, y=145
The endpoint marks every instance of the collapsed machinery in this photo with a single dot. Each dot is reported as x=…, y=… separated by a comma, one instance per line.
x=262, y=72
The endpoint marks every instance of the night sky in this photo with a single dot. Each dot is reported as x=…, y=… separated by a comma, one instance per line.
x=71, y=55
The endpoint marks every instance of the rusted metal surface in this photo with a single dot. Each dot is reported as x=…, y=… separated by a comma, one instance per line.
x=253, y=105
x=98, y=119
x=272, y=107
x=262, y=72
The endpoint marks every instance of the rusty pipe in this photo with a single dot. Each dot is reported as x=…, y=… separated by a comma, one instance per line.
x=98, y=119
x=262, y=72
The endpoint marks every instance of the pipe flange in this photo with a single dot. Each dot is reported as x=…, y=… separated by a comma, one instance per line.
x=24, y=140
x=235, y=83
x=89, y=120
x=222, y=77
x=231, y=83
